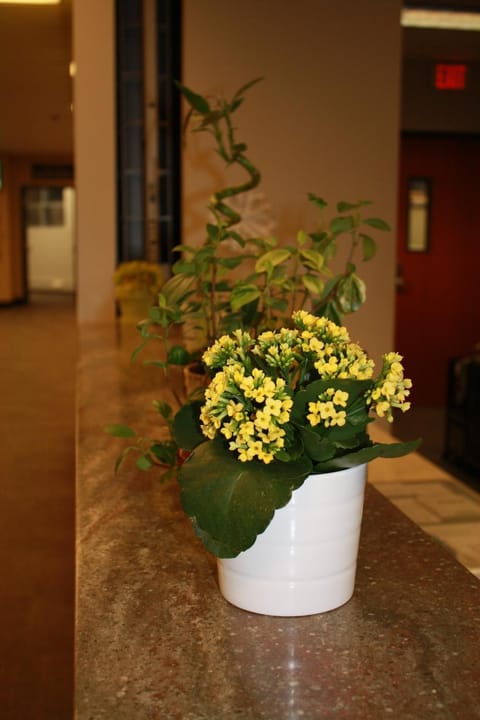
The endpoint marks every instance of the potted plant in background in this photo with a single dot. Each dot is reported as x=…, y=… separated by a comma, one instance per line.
x=214, y=289
x=136, y=285
x=280, y=426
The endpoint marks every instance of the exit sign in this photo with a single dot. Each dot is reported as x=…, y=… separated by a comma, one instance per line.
x=450, y=76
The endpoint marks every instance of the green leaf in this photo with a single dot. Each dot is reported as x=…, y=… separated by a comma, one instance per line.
x=331, y=312
x=319, y=202
x=377, y=223
x=272, y=258
x=237, y=237
x=319, y=449
x=346, y=206
x=186, y=426
x=312, y=259
x=212, y=231
x=247, y=86
x=184, y=248
x=198, y=103
x=138, y=350
x=355, y=389
x=301, y=237
x=351, y=293
x=280, y=304
x=367, y=454
x=165, y=452
x=158, y=315
x=235, y=104
x=342, y=224
x=230, y=262
x=231, y=502
x=369, y=246
x=163, y=408
x=122, y=431
x=313, y=284
x=244, y=295
x=177, y=288
x=144, y=463
x=178, y=355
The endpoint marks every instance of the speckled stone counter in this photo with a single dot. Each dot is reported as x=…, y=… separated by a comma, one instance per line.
x=156, y=641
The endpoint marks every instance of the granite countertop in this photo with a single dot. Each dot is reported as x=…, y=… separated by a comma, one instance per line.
x=156, y=640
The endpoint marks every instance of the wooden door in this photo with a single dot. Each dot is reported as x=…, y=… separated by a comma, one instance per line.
x=438, y=288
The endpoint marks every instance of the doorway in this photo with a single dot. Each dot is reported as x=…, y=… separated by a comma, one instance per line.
x=48, y=216
x=438, y=256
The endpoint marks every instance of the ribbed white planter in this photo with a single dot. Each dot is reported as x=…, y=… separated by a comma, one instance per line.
x=305, y=561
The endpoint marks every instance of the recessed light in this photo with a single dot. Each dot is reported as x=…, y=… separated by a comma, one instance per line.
x=30, y=2
x=440, y=19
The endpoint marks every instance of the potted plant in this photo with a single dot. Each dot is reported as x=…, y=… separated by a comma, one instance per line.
x=136, y=285
x=213, y=291
x=281, y=425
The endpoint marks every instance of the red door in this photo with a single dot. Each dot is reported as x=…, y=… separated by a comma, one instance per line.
x=438, y=289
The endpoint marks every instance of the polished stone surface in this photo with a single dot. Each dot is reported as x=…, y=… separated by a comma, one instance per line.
x=155, y=639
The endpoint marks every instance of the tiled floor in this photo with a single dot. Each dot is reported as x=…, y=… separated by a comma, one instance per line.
x=446, y=508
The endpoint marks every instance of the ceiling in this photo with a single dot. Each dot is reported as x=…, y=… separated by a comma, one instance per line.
x=36, y=49
x=35, y=87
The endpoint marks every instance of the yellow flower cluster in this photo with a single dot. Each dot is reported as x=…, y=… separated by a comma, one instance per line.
x=391, y=389
x=321, y=327
x=250, y=398
x=326, y=411
x=248, y=410
x=333, y=355
x=278, y=349
x=227, y=349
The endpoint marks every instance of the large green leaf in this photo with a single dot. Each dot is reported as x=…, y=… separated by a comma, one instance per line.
x=231, y=502
x=186, y=426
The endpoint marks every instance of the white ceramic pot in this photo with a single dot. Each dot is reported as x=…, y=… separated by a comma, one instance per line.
x=305, y=561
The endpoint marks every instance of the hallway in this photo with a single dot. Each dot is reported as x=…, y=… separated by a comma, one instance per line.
x=37, y=491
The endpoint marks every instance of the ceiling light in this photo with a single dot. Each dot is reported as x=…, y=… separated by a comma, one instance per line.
x=441, y=19
x=30, y=2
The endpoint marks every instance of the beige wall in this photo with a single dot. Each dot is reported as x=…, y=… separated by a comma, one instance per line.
x=325, y=119
x=95, y=177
